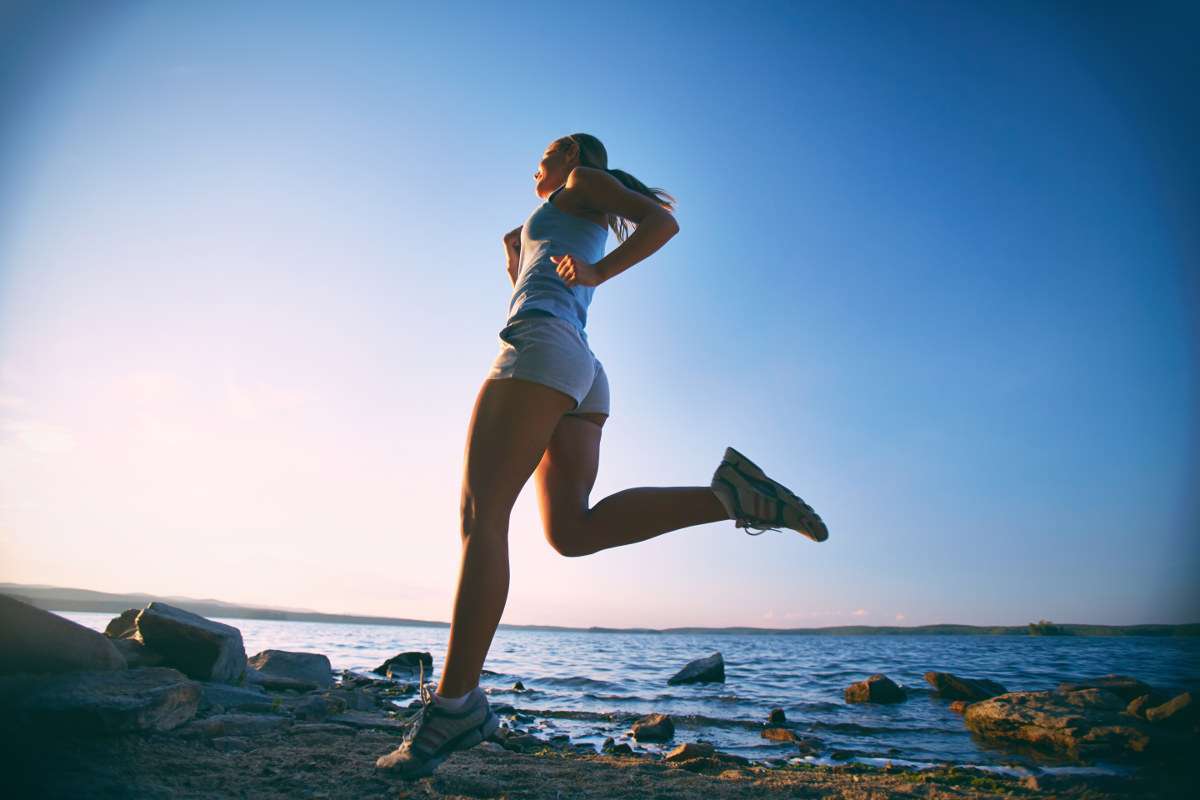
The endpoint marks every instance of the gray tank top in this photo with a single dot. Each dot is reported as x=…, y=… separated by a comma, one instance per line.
x=550, y=231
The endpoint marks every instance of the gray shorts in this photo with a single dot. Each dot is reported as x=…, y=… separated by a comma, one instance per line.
x=550, y=351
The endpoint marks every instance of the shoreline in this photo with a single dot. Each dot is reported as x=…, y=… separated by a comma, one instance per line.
x=325, y=760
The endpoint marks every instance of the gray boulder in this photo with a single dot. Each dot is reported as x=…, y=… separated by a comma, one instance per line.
x=703, y=670
x=952, y=687
x=34, y=640
x=100, y=702
x=875, y=689
x=198, y=647
x=233, y=725
x=312, y=668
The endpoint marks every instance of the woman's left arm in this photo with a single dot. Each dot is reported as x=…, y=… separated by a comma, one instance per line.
x=655, y=225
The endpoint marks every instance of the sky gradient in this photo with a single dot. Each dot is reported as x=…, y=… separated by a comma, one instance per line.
x=937, y=272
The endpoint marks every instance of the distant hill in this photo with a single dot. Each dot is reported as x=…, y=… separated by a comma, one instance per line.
x=57, y=598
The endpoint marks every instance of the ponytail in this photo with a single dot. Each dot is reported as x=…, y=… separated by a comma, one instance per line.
x=593, y=154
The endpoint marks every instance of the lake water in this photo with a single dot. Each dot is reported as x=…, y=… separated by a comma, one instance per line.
x=587, y=676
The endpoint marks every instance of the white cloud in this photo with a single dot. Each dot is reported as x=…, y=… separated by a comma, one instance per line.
x=11, y=401
x=860, y=612
x=40, y=437
x=899, y=617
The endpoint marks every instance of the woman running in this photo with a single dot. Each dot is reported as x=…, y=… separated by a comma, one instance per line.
x=540, y=412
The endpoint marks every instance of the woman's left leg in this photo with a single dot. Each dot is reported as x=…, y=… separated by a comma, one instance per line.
x=565, y=477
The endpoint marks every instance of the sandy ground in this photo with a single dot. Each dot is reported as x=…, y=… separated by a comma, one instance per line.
x=324, y=761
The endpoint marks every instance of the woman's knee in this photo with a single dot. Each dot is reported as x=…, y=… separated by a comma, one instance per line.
x=486, y=519
x=568, y=540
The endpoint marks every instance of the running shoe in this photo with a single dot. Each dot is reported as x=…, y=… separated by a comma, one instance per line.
x=760, y=504
x=437, y=732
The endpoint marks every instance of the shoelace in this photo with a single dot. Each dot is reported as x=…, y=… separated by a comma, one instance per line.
x=418, y=717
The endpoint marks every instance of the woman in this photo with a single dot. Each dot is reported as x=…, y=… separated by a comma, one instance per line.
x=540, y=412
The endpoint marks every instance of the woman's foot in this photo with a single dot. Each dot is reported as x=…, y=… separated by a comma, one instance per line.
x=759, y=503
x=437, y=732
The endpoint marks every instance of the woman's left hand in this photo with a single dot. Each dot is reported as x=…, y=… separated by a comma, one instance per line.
x=575, y=271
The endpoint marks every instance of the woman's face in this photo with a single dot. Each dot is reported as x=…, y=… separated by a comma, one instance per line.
x=557, y=162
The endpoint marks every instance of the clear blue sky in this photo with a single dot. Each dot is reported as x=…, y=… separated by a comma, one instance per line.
x=937, y=271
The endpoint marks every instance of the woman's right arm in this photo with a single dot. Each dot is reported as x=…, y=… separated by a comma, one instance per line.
x=512, y=252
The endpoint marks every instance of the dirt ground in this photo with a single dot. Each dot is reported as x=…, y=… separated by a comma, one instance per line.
x=323, y=761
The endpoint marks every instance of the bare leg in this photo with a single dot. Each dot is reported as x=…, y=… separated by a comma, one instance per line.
x=510, y=427
x=565, y=478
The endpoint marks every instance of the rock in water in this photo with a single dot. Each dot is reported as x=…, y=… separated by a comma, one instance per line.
x=1179, y=711
x=200, y=648
x=653, y=728
x=1085, y=722
x=952, y=687
x=150, y=699
x=311, y=668
x=777, y=717
x=702, y=670
x=875, y=689
x=34, y=640
x=407, y=663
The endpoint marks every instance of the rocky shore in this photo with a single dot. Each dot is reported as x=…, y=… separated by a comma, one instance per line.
x=167, y=704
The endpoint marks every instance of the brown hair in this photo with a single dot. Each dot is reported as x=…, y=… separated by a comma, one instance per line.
x=593, y=154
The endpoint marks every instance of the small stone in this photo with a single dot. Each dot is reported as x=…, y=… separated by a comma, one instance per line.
x=689, y=750
x=777, y=717
x=622, y=749
x=518, y=687
x=780, y=734
x=407, y=664
x=608, y=745
x=875, y=689
x=952, y=687
x=653, y=728
x=959, y=706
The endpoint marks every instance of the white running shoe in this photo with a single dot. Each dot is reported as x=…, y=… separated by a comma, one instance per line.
x=759, y=503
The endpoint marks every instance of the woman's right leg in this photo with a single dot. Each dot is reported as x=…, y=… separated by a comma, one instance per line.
x=510, y=427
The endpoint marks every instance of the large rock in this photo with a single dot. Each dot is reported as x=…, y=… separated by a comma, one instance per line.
x=199, y=647
x=276, y=683
x=312, y=668
x=34, y=640
x=702, y=670
x=653, y=728
x=406, y=664
x=1081, y=723
x=875, y=689
x=952, y=687
x=152, y=699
